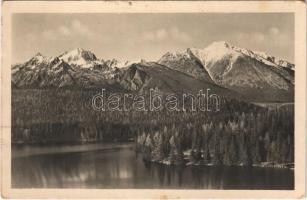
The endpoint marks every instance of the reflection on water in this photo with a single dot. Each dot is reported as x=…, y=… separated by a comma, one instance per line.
x=123, y=168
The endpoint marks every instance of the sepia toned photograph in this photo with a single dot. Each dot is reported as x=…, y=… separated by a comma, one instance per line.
x=165, y=100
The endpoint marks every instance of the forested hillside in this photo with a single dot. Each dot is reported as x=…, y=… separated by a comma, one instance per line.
x=240, y=134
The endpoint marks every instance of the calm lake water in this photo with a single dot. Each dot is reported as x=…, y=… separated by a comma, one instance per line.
x=121, y=167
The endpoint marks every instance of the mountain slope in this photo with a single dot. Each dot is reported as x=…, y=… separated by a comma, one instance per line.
x=223, y=52
x=197, y=60
x=241, y=70
x=142, y=77
x=186, y=62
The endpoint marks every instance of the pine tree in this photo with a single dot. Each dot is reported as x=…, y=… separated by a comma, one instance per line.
x=218, y=150
x=157, y=152
x=176, y=155
x=148, y=146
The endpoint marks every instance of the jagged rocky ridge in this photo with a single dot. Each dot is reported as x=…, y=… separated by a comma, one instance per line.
x=254, y=75
x=75, y=69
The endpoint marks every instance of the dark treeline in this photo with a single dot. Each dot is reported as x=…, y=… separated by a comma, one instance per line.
x=240, y=134
x=71, y=133
x=243, y=139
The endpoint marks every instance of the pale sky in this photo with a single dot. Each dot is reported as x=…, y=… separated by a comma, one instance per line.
x=149, y=36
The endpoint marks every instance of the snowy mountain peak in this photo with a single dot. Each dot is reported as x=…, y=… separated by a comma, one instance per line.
x=223, y=50
x=232, y=67
x=79, y=49
x=176, y=55
x=113, y=63
x=36, y=60
x=79, y=57
x=38, y=57
x=216, y=51
x=220, y=44
x=79, y=53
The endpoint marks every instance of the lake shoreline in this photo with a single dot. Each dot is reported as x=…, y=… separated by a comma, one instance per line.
x=23, y=150
x=199, y=163
x=187, y=162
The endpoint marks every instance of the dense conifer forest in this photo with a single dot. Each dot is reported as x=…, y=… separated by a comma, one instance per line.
x=240, y=134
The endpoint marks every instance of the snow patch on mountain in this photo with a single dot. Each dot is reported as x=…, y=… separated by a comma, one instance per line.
x=176, y=55
x=113, y=63
x=81, y=58
x=39, y=58
x=215, y=52
x=274, y=60
x=36, y=60
x=221, y=49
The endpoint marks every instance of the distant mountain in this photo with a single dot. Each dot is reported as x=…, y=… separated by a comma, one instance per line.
x=74, y=69
x=255, y=75
x=77, y=68
x=221, y=66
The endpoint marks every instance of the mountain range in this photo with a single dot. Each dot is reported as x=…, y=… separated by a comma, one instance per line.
x=225, y=69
